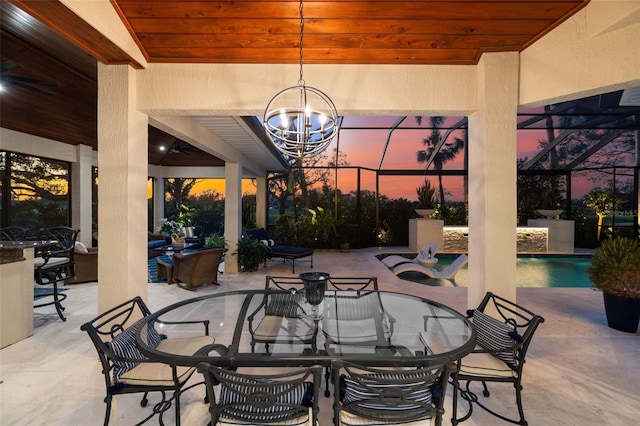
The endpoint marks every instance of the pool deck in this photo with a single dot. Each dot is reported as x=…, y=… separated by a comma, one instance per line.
x=579, y=371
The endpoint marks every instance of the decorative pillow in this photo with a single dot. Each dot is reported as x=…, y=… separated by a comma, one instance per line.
x=80, y=248
x=354, y=391
x=259, y=234
x=287, y=394
x=268, y=243
x=495, y=335
x=283, y=305
x=124, y=345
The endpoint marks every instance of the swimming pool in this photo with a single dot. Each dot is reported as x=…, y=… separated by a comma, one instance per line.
x=540, y=270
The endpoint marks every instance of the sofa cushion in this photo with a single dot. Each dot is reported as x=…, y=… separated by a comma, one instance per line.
x=156, y=243
x=279, y=250
x=80, y=248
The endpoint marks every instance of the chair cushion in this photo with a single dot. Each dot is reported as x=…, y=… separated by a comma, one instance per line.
x=495, y=335
x=272, y=328
x=53, y=261
x=484, y=365
x=300, y=421
x=124, y=345
x=154, y=374
x=283, y=305
x=353, y=331
x=350, y=419
x=80, y=248
x=233, y=393
x=158, y=374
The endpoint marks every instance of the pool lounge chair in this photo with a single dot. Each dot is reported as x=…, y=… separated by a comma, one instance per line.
x=281, y=251
x=395, y=259
x=449, y=273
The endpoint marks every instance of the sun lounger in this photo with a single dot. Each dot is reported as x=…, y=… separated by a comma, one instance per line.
x=448, y=273
x=395, y=259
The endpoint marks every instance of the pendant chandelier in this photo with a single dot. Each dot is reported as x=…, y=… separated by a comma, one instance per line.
x=301, y=120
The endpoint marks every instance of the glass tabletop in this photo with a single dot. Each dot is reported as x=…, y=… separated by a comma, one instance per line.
x=277, y=328
x=173, y=249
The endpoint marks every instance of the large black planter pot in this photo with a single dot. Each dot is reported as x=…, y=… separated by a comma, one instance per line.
x=623, y=313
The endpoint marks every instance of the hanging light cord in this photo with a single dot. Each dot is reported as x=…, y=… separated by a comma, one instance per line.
x=301, y=80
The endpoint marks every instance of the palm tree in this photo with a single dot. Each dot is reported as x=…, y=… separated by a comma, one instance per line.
x=446, y=153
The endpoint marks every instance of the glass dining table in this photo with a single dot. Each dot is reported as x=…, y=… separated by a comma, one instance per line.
x=274, y=328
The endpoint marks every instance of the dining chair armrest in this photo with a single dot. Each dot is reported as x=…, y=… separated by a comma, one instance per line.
x=252, y=315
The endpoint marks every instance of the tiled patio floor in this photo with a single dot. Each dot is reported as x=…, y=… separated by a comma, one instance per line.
x=579, y=371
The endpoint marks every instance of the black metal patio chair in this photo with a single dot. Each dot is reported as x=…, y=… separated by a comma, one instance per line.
x=355, y=316
x=280, y=318
x=504, y=331
x=54, y=263
x=285, y=398
x=389, y=396
x=13, y=233
x=126, y=370
x=280, y=250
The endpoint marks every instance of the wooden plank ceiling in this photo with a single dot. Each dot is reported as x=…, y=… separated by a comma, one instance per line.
x=49, y=43
x=339, y=32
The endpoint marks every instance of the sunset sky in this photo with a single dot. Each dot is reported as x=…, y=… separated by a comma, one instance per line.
x=365, y=147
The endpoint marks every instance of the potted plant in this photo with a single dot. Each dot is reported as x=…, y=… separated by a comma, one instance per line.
x=215, y=240
x=251, y=253
x=615, y=269
x=551, y=199
x=426, y=201
x=326, y=226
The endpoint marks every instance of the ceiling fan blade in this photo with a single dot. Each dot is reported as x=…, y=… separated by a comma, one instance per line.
x=31, y=80
x=33, y=89
x=8, y=66
x=177, y=147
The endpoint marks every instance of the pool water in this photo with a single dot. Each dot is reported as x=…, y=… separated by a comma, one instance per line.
x=531, y=271
x=553, y=271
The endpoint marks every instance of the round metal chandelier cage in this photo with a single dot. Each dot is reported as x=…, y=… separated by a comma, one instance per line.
x=301, y=121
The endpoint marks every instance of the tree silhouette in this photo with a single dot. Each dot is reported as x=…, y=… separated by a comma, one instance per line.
x=179, y=190
x=38, y=189
x=304, y=174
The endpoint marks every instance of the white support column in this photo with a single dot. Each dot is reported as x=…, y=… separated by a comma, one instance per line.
x=81, y=182
x=492, y=179
x=261, y=202
x=232, y=214
x=122, y=195
x=158, y=201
